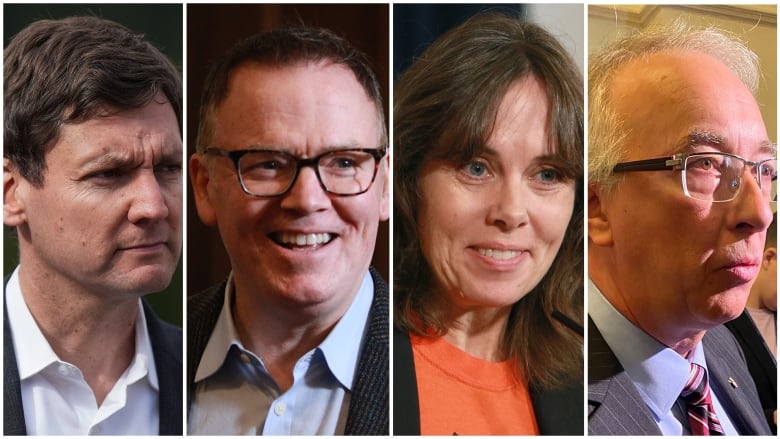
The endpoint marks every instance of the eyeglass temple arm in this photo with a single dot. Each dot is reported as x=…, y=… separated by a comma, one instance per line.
x=659, y=164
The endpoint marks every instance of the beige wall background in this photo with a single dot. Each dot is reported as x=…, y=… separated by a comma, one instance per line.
x=756, y=25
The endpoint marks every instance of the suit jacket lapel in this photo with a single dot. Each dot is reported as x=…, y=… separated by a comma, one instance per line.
x=726, y=365
x=559, y=412
x=614, y=405
x=369, y=404
x=167, y=347
x=13, y=411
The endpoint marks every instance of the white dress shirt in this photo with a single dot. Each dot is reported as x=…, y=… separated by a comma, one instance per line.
x=56, y=398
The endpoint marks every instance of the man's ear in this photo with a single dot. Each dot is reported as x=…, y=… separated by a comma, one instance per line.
x=384, y=206
x=770, y=257
x=14, y=195
x=599, y=229
x=199, y=174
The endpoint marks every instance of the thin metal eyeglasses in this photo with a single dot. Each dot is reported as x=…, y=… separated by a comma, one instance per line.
x=272, y=173
x=710, y=176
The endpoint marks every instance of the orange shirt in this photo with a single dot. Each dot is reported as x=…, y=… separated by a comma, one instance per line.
x=462, y=394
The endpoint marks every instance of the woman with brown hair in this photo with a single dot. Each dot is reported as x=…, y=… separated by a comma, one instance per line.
x=488, y=169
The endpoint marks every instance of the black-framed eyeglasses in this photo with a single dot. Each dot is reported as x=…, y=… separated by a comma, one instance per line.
x=710, y=176
x=271, y=173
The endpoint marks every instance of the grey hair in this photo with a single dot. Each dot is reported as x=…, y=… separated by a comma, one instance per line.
x=606, y=133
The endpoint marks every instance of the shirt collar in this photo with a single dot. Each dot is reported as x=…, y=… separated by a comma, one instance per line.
x=35, y=353
x=341, y=348
x=658, y=372
x=222, y=338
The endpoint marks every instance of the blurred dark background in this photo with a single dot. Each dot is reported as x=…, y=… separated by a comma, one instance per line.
x=211, y=30
x=416, y=26
x=162, y=26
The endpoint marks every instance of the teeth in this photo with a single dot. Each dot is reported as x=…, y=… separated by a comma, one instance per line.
x=498, y=254
x=301, y=239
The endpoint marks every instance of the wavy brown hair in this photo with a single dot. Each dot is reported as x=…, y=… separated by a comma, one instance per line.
x=445, y=108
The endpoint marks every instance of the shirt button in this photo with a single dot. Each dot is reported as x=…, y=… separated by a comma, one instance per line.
x=280, y=408
x=245, y=358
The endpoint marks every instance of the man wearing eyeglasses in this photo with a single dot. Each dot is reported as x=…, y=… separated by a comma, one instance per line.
x=681, y=173
x=292, y=169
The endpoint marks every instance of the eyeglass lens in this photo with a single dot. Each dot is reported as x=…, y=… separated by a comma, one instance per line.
x=340, y=172
x=718, y=177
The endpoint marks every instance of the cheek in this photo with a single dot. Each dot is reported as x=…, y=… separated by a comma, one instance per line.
x=551, y=217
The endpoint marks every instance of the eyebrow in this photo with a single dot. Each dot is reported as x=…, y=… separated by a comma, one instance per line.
x=701, y=137
x=290, y=150
x=123, y=159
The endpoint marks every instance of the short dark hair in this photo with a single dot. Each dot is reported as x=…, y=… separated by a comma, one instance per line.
x=286, y=47
x=68, y=71
x=445, y=109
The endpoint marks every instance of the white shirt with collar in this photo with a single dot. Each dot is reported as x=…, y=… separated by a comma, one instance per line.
x=658, y=372
x=56, y=398
x=235, y=394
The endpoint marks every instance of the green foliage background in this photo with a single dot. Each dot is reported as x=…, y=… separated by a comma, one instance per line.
x=162, y=25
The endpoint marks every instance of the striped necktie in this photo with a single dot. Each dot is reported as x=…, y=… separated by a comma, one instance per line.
x=701, y=413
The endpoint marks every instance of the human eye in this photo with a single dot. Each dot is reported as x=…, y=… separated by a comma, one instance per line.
x=769, y=168
x=169, y=171
x=106, y=177
x=476, y=169
x=549, y=176
x=705, y=163
x=264, y=165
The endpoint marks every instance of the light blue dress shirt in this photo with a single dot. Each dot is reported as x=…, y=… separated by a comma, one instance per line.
x=235, y=394
x=658, y=372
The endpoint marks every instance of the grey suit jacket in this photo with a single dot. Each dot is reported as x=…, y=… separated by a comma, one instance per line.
x=167, y=347
x=616, y=408
x=369, y=412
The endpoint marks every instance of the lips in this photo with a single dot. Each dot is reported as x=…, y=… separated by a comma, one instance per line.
x=302, y=240
x=142, y=245
x=745, y=269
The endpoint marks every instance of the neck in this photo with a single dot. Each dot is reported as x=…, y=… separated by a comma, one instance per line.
x=92, y=332
x=479, y=332
x=281, y=335
x=680, y=339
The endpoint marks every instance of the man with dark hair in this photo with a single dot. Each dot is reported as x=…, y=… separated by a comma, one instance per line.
x=292, y=168
x=92, y=185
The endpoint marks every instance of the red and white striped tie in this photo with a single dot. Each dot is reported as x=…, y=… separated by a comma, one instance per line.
x=701, y=413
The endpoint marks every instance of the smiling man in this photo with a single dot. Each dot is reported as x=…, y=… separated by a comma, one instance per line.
x=92, y=183
x=292, y=168
x=681, y=170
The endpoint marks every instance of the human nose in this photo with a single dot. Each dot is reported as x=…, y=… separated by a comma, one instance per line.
x=306, y=193
x=148, y=200
x=751, y=210
x=508, y=208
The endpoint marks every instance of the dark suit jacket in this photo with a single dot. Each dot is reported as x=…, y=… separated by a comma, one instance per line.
x=369, y=402
x=761, y=363
x=557, y=413
x=616, y=408
x=167, y=347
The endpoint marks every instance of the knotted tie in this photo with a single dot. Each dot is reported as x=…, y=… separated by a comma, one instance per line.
x=696, y=395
